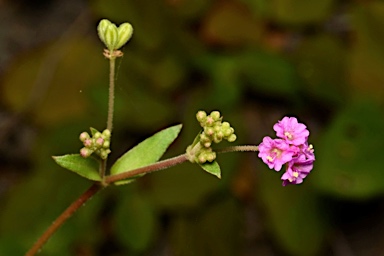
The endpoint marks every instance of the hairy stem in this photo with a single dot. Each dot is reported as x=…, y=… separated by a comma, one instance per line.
x=147, y=169
x=63, y=217
x=111, y=101
x=244, y=148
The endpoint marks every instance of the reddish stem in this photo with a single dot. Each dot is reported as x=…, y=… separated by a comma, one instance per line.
x=63, y=217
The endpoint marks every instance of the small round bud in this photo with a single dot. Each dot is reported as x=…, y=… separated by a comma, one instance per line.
x=232, y=138
x=217, y=139
x=124, y=32
x=99, y=142
x=83, y=136
x=209, y=121
x=88, y=143
x=106, y=144
x=202, y=158
x=225, y=125
x=85, y=152
x=211, y=156
x=207, y=144
x=204, y=137
x=209, y=131
x=215, y=115
x=97, y=135
x=228, y=132
x=106, y=134
x=104, y=153
x=201, y=116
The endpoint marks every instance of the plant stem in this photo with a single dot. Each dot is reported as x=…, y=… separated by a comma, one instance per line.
x=243, y=148
x=63, y=217
x=111, y=100
x=171, y=162
x=113, y=178
x=147, y=169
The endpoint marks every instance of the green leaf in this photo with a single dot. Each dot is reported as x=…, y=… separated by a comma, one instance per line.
x=86, y=167
x=212, y=168
x=147, y=152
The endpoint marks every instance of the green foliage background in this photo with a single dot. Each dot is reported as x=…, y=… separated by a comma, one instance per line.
x=254, y=61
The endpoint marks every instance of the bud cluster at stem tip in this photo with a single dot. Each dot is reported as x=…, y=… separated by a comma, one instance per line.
x=99, y=143
x=214, y=131
x=112, y=36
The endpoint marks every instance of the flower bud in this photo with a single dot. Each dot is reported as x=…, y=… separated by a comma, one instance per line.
x=97, y=135
x=111, y=37
x=209, y=121
x=106, y=144
x=106, y=134
x=88, y=143
x=101, y=28
x=202, y=158
x=225, y=125
x=99, y=142
x=232, y=138
x=211, y=156
x=215, y=115
x=124, y=32
x=85, y=152
x=207, y=144
x=201, y=116
x=209, y=131
x=84, y=136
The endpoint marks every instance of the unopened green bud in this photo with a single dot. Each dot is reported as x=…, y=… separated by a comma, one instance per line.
x=209, y=131
x=232, y=138
x=124, y=32
x=225, y=125
x=84, y=136
x=111, y=37
x=202, y=158
x=101, y=28
x=97, y=135
x=215, y=115
x=201, y=116
x=99, y=142
x=209, y=121
x=106, y=144
x=211, y=156
x=228, y=132
x=85, y=152
x=207, y=144
x=204, y=137
x=106, y=134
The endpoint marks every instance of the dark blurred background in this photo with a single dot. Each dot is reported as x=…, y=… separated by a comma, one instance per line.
x=255, y=61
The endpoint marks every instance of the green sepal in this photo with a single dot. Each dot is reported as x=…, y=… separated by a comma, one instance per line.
x=145, y=153
x=93, y=131
x=85, y=167
x=196, y=140
x=212, y=168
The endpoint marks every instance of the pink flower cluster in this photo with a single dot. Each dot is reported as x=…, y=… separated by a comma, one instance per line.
x=291, y=150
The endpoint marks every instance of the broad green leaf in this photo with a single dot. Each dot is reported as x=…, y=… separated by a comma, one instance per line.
x=147, y=152
x=86, y=167
x=212, y=168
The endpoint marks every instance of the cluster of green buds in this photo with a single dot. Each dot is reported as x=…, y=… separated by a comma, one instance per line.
x=114, y=37
x=99, y=143
x=214, y=131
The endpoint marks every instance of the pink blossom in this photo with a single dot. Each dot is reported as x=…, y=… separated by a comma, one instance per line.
x=275, y=152
x=292, y=131
x=297, y=169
